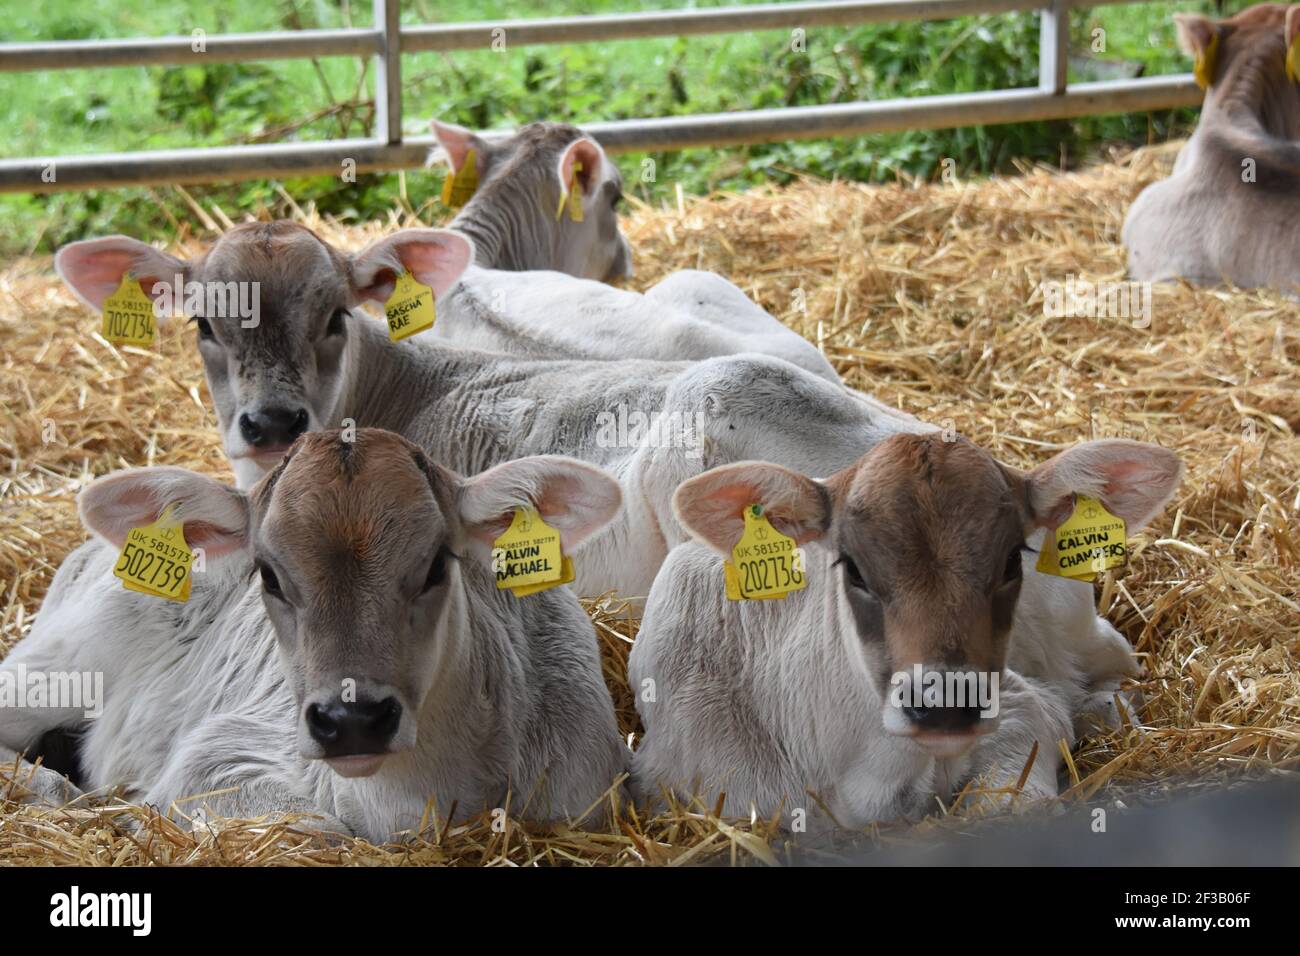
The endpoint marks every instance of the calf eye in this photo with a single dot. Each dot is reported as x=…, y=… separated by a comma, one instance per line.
x=437, y=572
x=851, y=572
x=270, y=583
x=337, y=323
x=1012, y=571
x=205, y=329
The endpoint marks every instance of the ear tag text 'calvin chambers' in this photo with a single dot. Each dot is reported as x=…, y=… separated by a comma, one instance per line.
x=764, y=563
x=156, y=560
x=128, y=314
x=410, y=309
x=571, y=197
x=526, y=557
x=1088, y=542
x=462, y=183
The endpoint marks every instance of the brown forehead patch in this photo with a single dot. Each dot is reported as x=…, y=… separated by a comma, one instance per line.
x=919, y=504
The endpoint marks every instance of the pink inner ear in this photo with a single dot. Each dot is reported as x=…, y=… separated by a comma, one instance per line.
x=438, y=264
x=589, y=154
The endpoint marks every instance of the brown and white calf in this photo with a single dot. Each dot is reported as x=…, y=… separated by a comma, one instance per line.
x=1228, y=211
x=915, y=558
x=344, y=653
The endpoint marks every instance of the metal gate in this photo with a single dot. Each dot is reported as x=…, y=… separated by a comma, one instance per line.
x=387, y=41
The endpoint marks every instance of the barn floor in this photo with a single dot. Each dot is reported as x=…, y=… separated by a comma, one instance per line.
x=923, y=296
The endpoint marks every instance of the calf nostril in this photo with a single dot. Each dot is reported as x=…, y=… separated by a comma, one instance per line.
x=249, y=429
x=299, y=424
x=943, y=718
x=322, y=726
x=388, y=715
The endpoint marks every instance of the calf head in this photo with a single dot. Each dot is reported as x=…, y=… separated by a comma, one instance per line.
x=1246, y=50
x=271, y=302
x=359, y=547
x=929, y=537
x=512, y=217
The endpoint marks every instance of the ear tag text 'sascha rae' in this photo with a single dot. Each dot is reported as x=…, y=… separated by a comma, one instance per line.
x=1206, y=60
x=571, y=198
x=1293, y=60
x=128, y=314
x=461, y=184
x=155, y=559
x=526, y=557
x=410, y=309
x=1088, y=542
x=765, y=563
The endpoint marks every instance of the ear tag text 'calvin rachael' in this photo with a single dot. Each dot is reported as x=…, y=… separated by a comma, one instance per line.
x=765, y=563
x=128, y=314
x=571, y=198
x=462, y=183
x=1203, y=69
x=156, y=560
x=410, y=309
x=1088, y=542
x=526, y=557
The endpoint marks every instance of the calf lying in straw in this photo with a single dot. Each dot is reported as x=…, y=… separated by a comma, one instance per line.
x=346, y=653
x=688, y=315
x=1228, y=212
x=914, y=566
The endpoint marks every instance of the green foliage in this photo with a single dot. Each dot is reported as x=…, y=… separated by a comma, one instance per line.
x=194, y=105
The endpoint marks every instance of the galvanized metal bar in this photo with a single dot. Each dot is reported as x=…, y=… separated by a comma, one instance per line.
x=388, y=73
x=1054, y=46
x=636, y=26
x=69, y=54
x=220, y=48
x=283, y=160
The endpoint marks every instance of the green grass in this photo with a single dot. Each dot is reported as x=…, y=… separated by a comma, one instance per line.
x=50, y=113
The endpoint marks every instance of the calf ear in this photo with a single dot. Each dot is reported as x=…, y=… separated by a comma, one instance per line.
x=215, y=516
x=436, y=257
x=574, y=498
x=593, y=172
x=1132, y=479
x=1194, y=33
x=1292, y=26
x=93, y=269
x=710, y=505
x=454, y=144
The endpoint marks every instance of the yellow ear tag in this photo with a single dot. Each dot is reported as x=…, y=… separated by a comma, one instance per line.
x=410, y=308
x=571, y=197
x=526, y=557
x=1090, y=541
x=1293, y=60
x=156, y=560
x=461, y=184
x=1203, y=70
x=764, y=563
x=128, y=314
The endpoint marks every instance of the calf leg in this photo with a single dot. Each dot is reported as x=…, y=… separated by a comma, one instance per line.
x=25, y=782
x=238, y=767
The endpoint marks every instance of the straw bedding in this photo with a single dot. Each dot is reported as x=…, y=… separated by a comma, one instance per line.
x=924, y=295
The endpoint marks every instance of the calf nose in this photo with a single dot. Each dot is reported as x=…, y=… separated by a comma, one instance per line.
x=346, y=730
x=273, y=427
x=949, y=720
